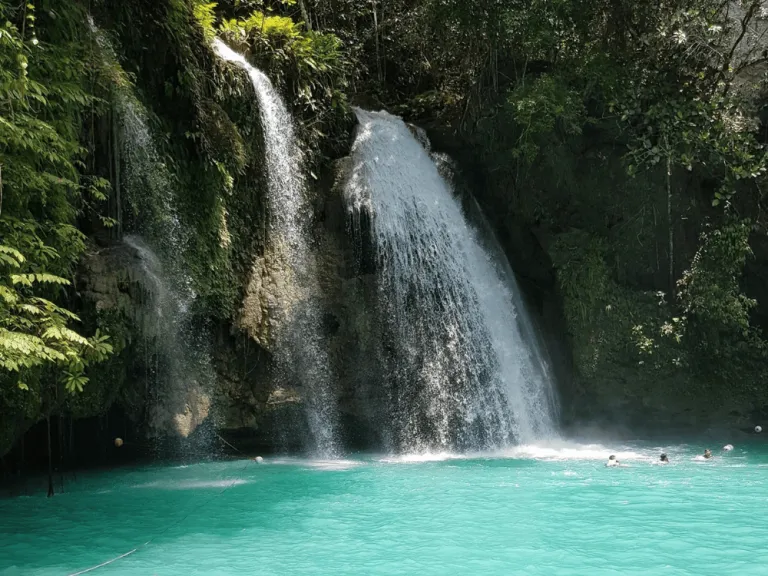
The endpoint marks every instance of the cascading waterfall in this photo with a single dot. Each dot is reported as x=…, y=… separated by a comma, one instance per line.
x=300, y=349
x=463, y=371
x=528, y=330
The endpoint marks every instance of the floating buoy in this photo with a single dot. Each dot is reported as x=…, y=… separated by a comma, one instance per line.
x=118, y=442
x=758, y=429
x=259, y=459
x=728, y=447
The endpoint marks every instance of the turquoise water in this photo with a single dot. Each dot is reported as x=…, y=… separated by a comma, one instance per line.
x=550, y=511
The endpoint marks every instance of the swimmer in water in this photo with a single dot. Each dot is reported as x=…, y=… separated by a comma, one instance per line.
x=664, y=459
x=612, y=461
x=707, y=453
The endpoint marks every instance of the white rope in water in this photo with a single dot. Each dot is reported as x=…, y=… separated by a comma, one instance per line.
x=148, y=542
x=92, y=568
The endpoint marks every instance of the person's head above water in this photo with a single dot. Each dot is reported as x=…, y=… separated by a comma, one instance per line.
x=611, y=457
x=664, y=458
x=707, y=453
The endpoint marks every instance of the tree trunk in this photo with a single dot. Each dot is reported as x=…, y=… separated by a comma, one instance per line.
x=116, y=184
x=60, y=434
x=305, y=15
x=71, y=446
x=376, y=38
x=671, y=230
x=50, y=459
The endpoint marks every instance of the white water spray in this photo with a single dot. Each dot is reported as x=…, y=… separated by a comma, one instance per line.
x=300, y=349
x=182, y=392
x=465, y=373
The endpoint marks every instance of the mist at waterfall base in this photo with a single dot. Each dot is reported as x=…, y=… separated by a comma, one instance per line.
x=550, y=511
x=464, y=370
x=300, y=348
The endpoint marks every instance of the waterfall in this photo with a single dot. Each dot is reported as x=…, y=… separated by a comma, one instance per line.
x=464, y=371
x=300, y=349
x=181, y=391
x=181, y=381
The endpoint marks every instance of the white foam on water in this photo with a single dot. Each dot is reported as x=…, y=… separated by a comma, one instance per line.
x=425, y=457
x=318, y=463
x=566, y=451
x=332, y=464
x=556, y=450
x=193, y=484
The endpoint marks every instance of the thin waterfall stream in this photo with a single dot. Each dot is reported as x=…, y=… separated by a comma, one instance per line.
x=301, y=352
x=182, y=386
x=181, y=395
x=179, y=373
x=465, y=373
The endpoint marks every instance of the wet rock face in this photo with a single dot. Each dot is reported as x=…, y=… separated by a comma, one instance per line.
x=270, y=296
x=251, y=398
x=247, y=397
x=109, y=279
x=110, y=285
x=196, y=409
x=255, y=312
x=244, y=384
x=163, y=394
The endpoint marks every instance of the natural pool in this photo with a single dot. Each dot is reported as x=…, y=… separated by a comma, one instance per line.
x=534, y=510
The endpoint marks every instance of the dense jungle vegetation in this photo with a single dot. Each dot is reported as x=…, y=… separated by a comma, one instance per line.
x=626, y=138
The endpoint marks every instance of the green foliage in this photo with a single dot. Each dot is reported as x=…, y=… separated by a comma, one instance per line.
x=546, y=97
x=600, y=313
x=556, y=100
x=583, y=276
x=34, y=331
x=707, y=334
x=311, y=66
x=713, y=321
x=710, y=130
x=541, y=107
x=714, y=306
x=43, y=95
x=206, y=16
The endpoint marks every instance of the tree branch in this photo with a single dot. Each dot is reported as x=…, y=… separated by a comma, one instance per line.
x=744, y=22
